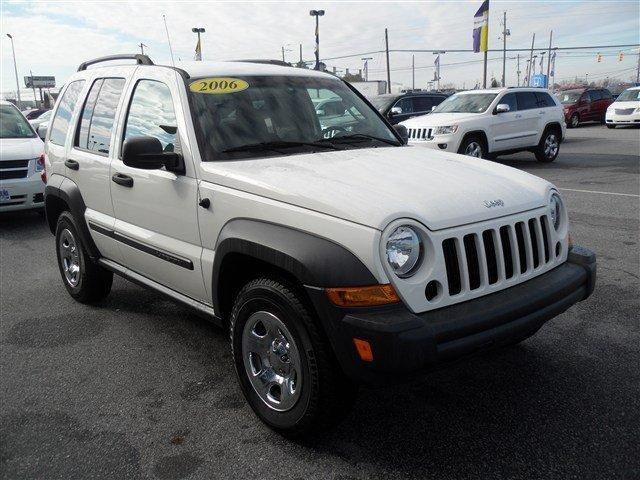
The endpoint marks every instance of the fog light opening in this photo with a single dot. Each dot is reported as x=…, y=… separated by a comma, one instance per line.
x=442, y=146
x=433, y=291
x=558, y=249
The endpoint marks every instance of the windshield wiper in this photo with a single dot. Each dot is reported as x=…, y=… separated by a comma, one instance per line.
x=361, y=137
x=277, y=145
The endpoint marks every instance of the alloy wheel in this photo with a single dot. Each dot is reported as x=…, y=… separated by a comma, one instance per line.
x=69, y=257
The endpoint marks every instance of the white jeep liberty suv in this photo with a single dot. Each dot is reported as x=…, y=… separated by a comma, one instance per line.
x=334, y=253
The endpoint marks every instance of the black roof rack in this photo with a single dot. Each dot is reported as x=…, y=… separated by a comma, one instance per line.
x=140, y=60
x=265, y=61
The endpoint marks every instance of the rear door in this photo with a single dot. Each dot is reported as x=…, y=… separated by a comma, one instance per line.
x=156, y=210
x=89, y=158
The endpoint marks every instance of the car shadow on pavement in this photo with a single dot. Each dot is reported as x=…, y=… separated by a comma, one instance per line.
x=22, y=222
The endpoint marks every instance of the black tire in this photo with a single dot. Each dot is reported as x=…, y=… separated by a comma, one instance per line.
x=92, y=282
x=574, y=121
x=610, y=125
x=325, y=395
x=473, y=143
x=549, y=146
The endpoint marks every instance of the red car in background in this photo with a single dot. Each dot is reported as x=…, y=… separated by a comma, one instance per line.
x=585, y=105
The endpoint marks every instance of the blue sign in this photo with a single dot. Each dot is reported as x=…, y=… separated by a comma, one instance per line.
x=539, y=80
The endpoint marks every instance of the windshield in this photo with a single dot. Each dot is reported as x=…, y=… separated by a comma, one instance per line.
x=381, y=102
x=629, y=96
x=570, y=96
x=282, y=115
x=13, y=124
x=466, y=103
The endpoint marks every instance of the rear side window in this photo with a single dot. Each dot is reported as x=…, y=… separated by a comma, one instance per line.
x=526, y=100
x=543, y=99
x=62, y=120
x=98, y=115
x=595, y=95
x=606, y=94
x=510, y=99
x=151, y=114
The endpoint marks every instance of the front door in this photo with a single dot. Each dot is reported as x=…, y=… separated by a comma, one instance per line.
x=156, y=210
x=508, y=127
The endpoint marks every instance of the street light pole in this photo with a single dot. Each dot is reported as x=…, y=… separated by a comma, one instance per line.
x=366, y=67
x=317, y=14
x=15, y=68
x=198, y=30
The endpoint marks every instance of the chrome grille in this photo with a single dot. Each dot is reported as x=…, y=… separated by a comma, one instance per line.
x=419, y=133
x=624, y=111
x=499, y=253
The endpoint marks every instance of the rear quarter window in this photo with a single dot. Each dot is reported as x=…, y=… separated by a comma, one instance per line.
x=62, y=120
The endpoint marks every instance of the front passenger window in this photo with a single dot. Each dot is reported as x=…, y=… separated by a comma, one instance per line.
x=510, y=99
x=151, y=114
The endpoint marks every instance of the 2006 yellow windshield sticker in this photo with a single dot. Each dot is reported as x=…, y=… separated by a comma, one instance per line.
x=218, y=85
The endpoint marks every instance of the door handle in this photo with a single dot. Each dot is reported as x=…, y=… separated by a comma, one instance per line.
x=122, y=179
x=72, y=164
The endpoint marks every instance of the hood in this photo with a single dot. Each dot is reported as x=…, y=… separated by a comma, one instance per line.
x=437, y=119
x=20, y=148
x=626, y=104
x=375, y=186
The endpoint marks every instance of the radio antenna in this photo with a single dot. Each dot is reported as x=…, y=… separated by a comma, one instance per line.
x=168, y=40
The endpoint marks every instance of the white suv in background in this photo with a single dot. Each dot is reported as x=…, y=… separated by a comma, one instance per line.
x=21, y=162
x=486, y=123
x=625, y=110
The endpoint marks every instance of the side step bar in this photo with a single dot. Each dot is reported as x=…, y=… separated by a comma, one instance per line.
x=143, y=281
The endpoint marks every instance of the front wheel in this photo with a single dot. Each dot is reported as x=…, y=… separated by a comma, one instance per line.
x=285, y=367
x=84, y=280
x=611, y=125
x=472, y=147
x=549, y=146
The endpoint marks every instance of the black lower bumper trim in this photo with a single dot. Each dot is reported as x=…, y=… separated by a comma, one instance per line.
x=405, y=344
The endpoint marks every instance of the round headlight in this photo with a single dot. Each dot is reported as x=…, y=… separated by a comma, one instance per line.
x=555, y=209
x=404, y=250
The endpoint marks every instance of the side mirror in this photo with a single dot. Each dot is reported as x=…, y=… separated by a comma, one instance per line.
x=433, y=108
x=146, y=153
x=502, y=108
x=402, y=131
x=395, y=111
x=42, y=130
x=320, y=113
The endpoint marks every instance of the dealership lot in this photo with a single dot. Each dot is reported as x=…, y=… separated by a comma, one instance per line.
x=140, y=387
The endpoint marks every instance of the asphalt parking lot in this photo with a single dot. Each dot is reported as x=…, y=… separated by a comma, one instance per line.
x=140, y=387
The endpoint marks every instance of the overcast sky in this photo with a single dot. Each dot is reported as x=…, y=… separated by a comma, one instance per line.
x=52, y=38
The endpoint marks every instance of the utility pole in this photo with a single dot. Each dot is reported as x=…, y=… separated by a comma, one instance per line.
x=317, y=14
x=284, y=49
x=505, y=33
x=142, y=45
x=531, y=67
x=549, y=57
x=413, y=72
x=518, y=70
x=35, y=99
x=15, y=68
x=637, y=71
x=386, y=43
x=300, y=64
x=553, y=69
x=484, y=76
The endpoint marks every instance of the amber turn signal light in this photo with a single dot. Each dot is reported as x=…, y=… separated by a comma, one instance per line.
x=364, y=350
x=363, y=296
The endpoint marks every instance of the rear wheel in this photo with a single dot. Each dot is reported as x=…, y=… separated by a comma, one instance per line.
x=84, y=280
x=473, y=146
x=285, y=367
x=549, y=146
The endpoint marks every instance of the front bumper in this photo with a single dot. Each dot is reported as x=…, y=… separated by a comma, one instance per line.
x=406, y=345
x=444, y=143
x=614, y=119
x=25, y=193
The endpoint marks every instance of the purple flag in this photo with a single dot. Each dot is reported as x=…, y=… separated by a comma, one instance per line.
x=481, y=28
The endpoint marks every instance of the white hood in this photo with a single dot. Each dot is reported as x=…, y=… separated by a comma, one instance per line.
x=627, y=104
x=20, y=148
x=375, y=186
x=437, y=119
